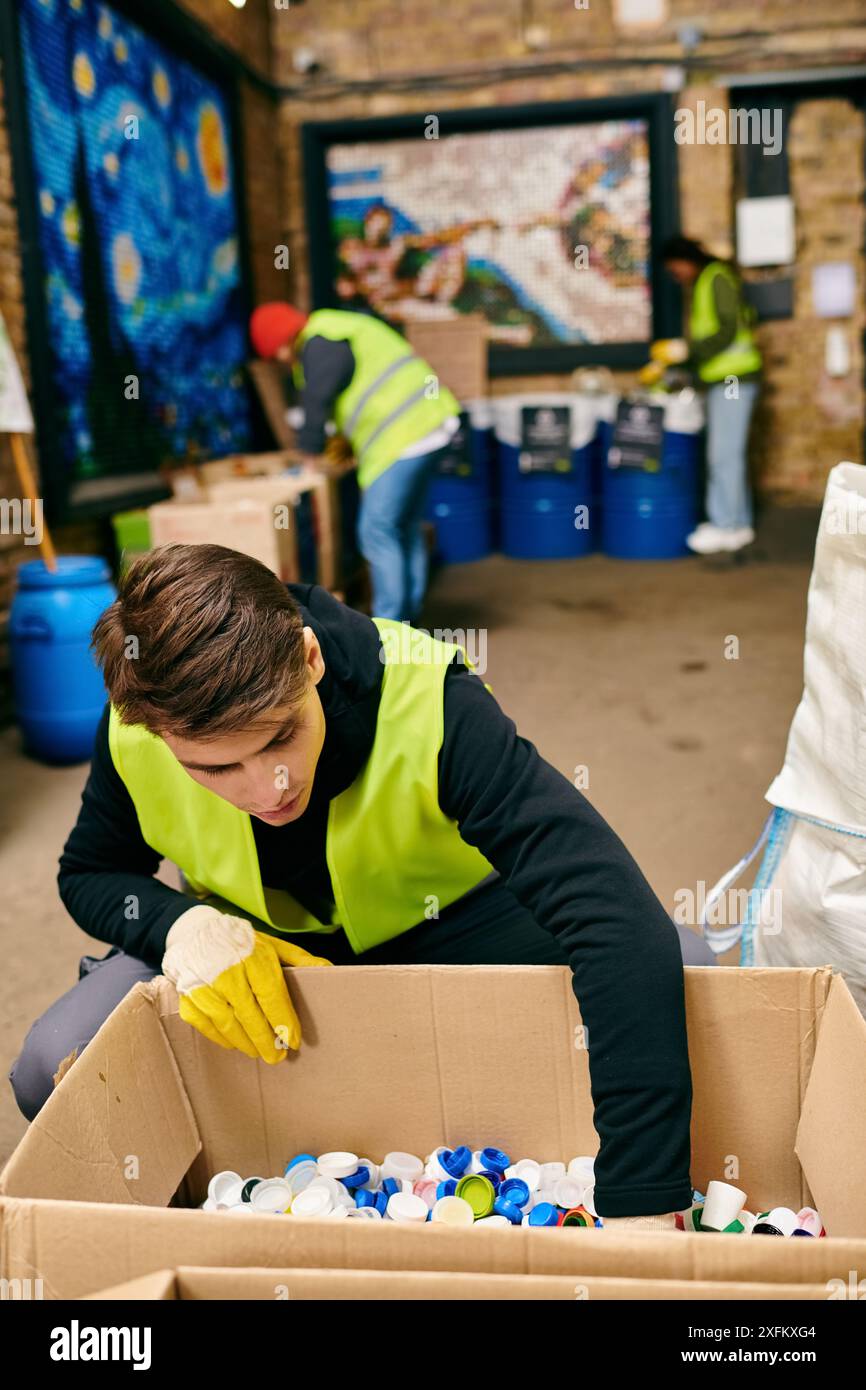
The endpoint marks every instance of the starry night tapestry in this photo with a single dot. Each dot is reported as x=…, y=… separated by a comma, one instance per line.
x=137, y=230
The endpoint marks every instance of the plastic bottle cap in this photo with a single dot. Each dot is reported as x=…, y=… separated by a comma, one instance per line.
x=477, y=1164
x=551, y=1173
x=491, y=1176
x=434, y=1167
x=453, y=1211
x=495, y=1159
x=338, y=1212
x=372, y=1168
x=390, y=1186
x=248, y=1187
x=509, y=1210
x=425, y=1188
x=381, y=1202
x=221, y=1183
x=446, y=1188
x=405, y=1206
x=578, y=1216
x=515, y=1190
x=529, y=1171
x=479, y=1192
x=545, y=1194
x=356, y=1179
x=403, y=1166
x=242, y=1209
x=314, y=1201
x=455, y=1163
x=299, y=1158
x=337, y=1164
x=784, y=1220
x=208, y=1204
x=545, y=1214
x=301, y=1176
x=569, y=1193
x=273, y=1194
x=330, y=1185
x=494, y=1220
x=370, y=1213
x=582, y=1169
x=364, y=1200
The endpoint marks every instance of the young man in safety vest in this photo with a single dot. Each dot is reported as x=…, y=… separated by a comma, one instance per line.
x=723, y=355
x=324, y=785
x=353, y=369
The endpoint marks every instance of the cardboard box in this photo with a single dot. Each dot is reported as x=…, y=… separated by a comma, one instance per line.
x=265, y=528
x=456, y=349
x=373, y=1285
x=390, y=1058
x=247, y=466
x=325, y=511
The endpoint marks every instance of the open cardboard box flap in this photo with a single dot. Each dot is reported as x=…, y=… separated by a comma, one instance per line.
x=419, y=1055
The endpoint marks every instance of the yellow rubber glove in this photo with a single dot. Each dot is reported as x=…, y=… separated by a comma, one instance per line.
x=651, y=373
x=231, y=984
x=669, y=351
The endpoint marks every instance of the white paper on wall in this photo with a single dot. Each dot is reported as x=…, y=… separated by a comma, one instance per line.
x=15, y=416
x=765, y=231
x=834, y=290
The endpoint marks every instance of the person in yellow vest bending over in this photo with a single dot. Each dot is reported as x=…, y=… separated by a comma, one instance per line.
x=723, y=355
x=336, y=793
x=386, y=400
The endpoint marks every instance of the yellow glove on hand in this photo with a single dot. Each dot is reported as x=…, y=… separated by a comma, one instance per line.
x=651, y=373
x=625, y=1225
x=230, y=981
x=669, y=351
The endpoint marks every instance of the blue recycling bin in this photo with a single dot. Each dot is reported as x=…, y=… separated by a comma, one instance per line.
x=59, y=691
x=460, y=500
x=647, y=514
x=544, y=453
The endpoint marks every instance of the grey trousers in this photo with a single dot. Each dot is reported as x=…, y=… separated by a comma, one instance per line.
x=467, y=939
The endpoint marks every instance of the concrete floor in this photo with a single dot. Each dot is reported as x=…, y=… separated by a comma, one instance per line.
x=618, y=667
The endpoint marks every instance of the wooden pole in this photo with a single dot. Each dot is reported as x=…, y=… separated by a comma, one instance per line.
x=28, y=486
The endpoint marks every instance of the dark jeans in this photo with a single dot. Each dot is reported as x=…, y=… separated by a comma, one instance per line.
x=486, y=927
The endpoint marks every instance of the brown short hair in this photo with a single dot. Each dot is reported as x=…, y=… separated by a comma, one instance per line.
x=219, y=642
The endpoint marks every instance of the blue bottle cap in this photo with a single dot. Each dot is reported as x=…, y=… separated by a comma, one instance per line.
x=381, y=1202
x=503, y=1208
x=491, y=1176
x=299, y=1158
x=456, y=1161
x=545, y=1214
x=390, y=1186
x=496, y=1159
x=356, y=1179
x=515, y=1190
x=365, y=1198
x=446, y=1189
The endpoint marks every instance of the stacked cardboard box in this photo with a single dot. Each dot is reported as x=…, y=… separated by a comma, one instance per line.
x=93, y=1196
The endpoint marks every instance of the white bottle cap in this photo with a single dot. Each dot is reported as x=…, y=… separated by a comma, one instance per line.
x=583, y=1169
x=550, y=1173
x=338, y=1164
x=494, y=1220
x=372, y=1168
x=242, y=1209
x=405, y=1206
x=221, y=1187
x=589, y=1199
x=784, y=1220
x=367, y=1213
x=568, y=1193
x=477, y=1164
x=453, y=1211
x=274, y=1194
x=722, y=1205
x=313, y=1201
x=530, y=1172
x=301, y=1176
x=747, y=1220
x=338, y=1212
x=405, y=1167
x=433, y=1168
x=545, y=1194
x=209, y=1204
x=329, y=1185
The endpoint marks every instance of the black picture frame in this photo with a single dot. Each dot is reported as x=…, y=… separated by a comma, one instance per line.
x=655, y=108
x=63, y=499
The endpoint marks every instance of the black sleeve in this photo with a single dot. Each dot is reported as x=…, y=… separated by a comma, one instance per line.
x=568, y=868
x=328, y=367
x=106, y=878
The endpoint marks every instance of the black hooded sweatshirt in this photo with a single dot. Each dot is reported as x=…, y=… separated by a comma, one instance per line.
x=552, y=850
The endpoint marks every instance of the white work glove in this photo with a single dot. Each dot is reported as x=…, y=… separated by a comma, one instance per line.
x=625, y=1225
x=231, y=984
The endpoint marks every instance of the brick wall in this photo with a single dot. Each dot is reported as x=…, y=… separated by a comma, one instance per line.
x=421, y=57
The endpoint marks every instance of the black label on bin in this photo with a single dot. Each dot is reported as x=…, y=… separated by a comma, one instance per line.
x=457, y=458
x=637, y=436
x=545, y=439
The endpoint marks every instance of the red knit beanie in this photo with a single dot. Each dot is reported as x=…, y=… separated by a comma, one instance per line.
x=274, y=325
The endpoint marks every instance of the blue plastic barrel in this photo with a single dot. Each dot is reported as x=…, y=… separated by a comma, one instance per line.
x=59, y=691
x=647, y=516
x=460, y=500
x=545, y=514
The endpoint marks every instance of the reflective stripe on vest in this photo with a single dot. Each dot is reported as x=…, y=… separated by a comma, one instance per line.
x=386, y=407
x=393, y=856
x=742, y=354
